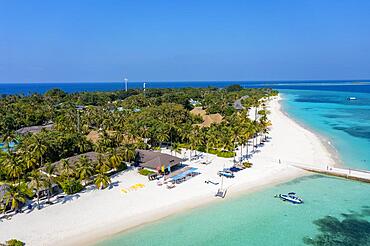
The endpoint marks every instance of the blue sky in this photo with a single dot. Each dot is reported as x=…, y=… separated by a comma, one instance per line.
x=95, y=40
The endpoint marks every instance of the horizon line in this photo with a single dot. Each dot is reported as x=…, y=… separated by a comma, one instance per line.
x=195, y=81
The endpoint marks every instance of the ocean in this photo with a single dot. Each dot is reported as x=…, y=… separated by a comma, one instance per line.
x=335, y=212
x=71, y=87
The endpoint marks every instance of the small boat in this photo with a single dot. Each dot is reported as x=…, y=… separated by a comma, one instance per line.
x=351, y=98
x=290, y=197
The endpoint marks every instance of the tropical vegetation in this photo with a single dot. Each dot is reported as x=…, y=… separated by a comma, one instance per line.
x=124, y=121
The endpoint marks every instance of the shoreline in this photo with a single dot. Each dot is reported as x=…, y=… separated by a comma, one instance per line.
x=323, y=139
x=108, y=213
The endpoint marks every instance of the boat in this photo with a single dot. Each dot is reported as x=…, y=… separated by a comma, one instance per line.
x=290, y=197
x=351, y=98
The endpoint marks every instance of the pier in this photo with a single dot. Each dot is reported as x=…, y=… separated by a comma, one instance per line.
x=348, y=173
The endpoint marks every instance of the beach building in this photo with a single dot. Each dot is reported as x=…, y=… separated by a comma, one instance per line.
x=198, y=111
x=208, y=119
x=95, y=136
x=157, y=161
x=91, y=156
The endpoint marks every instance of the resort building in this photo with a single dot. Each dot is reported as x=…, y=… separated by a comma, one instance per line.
x=208, y=119
x=154, y=160
x=91, y=156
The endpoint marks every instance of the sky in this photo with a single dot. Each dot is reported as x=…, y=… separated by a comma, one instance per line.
x=208, y=40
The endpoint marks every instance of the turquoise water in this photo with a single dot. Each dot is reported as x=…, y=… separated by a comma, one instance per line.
x=261, y=219
x=335, y=212
x=345, y=123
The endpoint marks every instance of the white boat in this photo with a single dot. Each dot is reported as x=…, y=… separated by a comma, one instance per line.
x=290, y=197
x=351, y=98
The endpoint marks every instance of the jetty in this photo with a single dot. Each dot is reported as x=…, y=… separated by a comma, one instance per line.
x=348, y=173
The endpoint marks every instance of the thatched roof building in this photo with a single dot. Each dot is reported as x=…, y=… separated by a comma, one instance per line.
x=92, y=156
x=95, y=136
x=198, y=111
x=155, y=160
x=208, y=119
x=211, y=119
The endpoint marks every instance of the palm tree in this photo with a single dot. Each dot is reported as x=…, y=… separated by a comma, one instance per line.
x=36, y=181
x=176, y=148
x=12, y=166
x=102, y=180
x=38, y=147
x=103, y=164
x=195, y=139
x=128, y=152
x=67, y=169
x=49, y=177
x=29, y=159
x=162, y=135
x=115, y=159
x=82, y=144
x=84, y=169
x=16, y=195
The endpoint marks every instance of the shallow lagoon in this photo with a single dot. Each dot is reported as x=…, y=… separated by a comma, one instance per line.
x=261, y=219
x=335, y=212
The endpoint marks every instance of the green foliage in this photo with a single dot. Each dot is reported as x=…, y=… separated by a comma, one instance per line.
x=145, y=172
x=233, y=88
x=14, y=242
x=224, y=154
x=124, y=121
x=71, y=186
x=122, y=166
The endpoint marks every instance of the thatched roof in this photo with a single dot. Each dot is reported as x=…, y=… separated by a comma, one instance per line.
x=198, y=111
x=92, y=156
x=211, y=118
x=154, y=160
x=34, y=129
x=93, y=136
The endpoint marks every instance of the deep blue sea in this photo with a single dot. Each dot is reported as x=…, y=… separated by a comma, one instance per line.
x=335, y=212
x=26, y=88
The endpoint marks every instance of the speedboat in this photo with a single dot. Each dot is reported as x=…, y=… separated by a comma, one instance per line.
x=351, y=98
x=290, y=197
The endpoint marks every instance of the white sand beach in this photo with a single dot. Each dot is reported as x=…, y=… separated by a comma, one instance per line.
x=96, y=214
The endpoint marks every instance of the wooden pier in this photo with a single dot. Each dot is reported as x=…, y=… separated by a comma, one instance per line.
x=348, y=173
